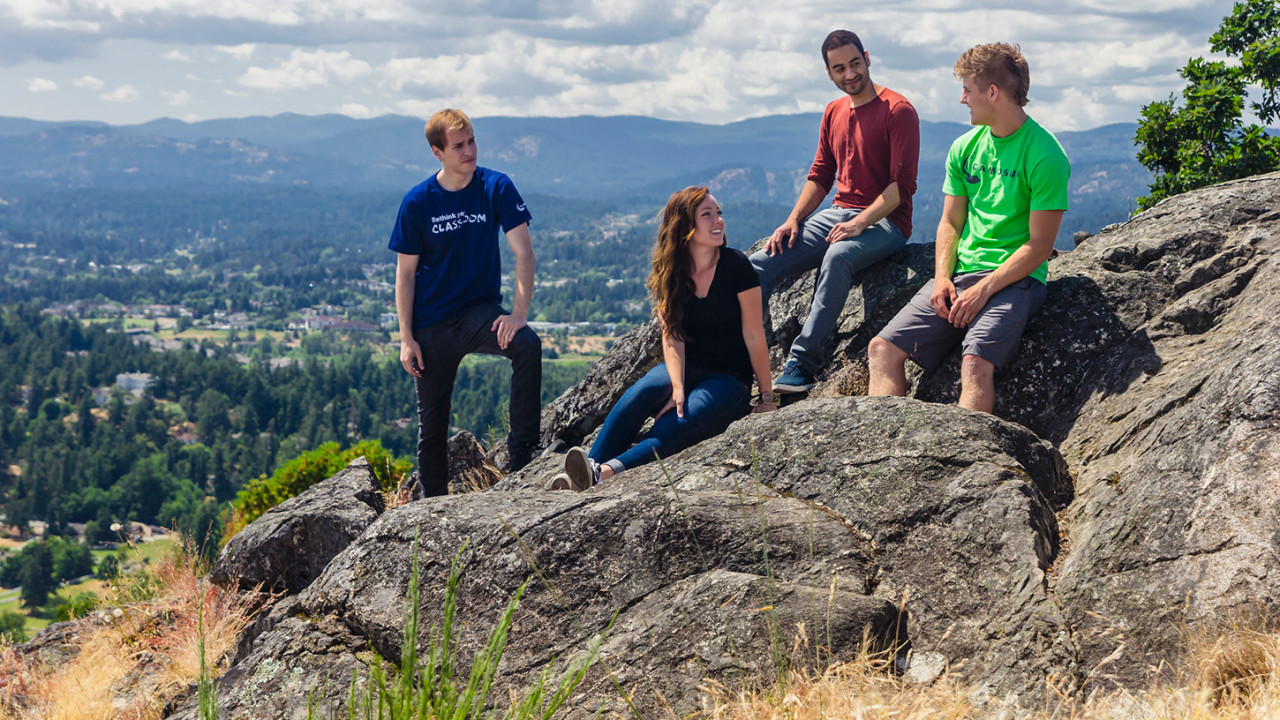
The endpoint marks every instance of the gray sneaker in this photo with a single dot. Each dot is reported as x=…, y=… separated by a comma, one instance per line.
x=560, y=482
x=583, y=472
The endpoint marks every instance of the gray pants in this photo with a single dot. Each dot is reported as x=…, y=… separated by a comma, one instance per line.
x=838, y=263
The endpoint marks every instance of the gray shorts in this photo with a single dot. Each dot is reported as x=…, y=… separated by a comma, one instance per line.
x=993, y=335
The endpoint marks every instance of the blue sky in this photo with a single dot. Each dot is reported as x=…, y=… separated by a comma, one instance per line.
x=1093, y=62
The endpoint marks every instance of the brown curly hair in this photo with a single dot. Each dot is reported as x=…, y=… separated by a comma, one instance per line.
x=671, y=280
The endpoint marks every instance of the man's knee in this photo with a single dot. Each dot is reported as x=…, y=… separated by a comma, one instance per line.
x=975, y=368
x=883, y=353
x=762, y=263
x=526, y=343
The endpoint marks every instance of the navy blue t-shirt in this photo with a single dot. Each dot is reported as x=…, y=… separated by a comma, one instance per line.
x=455, y=236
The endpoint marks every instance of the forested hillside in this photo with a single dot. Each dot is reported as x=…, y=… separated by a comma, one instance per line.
x=205, y=424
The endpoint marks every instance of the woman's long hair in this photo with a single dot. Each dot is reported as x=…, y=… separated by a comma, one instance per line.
x=671, y=280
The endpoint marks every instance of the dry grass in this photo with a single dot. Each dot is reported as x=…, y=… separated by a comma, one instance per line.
x=130, y=665
x=1233, y=675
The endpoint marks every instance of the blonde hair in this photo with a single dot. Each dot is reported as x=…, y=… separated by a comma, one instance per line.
x=999, y=64
x=442, y=122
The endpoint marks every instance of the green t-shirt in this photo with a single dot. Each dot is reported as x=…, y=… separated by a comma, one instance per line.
x=1004, y=179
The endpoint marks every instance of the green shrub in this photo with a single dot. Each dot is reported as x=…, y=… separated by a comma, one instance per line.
x=80, y=605
x=13, y=626
x=307, y=469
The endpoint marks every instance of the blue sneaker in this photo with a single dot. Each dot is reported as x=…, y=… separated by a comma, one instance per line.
x=794, y=378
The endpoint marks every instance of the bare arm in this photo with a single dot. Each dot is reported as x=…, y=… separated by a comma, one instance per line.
x=410, y=353
x=955, y=211
x=885, y=203
x=810, y=197
x=1044, y=228
x=673, y=356
x=506, y=326
x=757, y=349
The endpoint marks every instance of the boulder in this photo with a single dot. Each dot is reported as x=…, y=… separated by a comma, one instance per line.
x=1125, y=495
x=1173, y=530
x=704, y=586
x=469, y=469
x=302, y=661
x=958, y=507
x=291, y=543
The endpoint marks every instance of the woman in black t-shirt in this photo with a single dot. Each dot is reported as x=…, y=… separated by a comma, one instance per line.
x=707, y=298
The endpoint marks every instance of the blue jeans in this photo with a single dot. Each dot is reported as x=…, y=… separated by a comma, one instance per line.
x=712, y=402
x=443, y=346
x=838, y=264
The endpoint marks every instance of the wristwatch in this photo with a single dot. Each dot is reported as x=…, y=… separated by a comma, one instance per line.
x=766, y=398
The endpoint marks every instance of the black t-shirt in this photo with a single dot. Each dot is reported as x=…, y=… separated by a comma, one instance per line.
x=713, y=324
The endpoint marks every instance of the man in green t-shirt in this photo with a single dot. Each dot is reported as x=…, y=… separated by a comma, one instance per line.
x=1006, y=191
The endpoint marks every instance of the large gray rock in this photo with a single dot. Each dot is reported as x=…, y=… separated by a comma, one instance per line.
x=1151, y=367
x=1178, y=484
x=291, y=543
x=703, y=585
x=958, y=506
x=302, y=661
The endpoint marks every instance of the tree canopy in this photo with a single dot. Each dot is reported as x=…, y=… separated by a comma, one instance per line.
x=1205, y=139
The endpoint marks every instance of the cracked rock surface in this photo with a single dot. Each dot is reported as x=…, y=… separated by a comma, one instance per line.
x=687, y=576
x=1138, y=421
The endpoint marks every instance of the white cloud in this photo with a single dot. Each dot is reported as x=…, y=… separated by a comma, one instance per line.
x=240, y=52
x=700, y=60
x=88, y=82
x=122, y=94
x=356, y=110
x=41, y=85
x=179, y=98
x=307, y=69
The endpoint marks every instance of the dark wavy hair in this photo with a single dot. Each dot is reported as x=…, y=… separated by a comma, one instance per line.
x=671, y=280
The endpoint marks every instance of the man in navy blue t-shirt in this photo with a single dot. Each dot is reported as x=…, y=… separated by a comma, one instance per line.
x=447, y=292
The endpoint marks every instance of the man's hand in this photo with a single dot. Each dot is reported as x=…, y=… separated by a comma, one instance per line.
x=506, y=327
x=787, y=233
x=844, y=231
x=967, y=306
x=411, y=357
x=676, y=401
x=943, y=297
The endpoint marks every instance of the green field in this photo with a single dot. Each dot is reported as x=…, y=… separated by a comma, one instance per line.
x=138, y=555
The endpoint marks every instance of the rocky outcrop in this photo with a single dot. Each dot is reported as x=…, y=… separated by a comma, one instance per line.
x=292, y=543
x=1138, y=422
x=469, y=469
x=1174, y=527
x=958, y=507
x=695, y=582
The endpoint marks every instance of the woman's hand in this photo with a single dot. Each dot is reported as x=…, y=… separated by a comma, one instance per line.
x=676, y=401
x=764, y=407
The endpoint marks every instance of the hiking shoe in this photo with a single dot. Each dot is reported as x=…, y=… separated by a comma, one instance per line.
x=560, y=482
x=583, y=472
x=519, y=456
x=794, y=379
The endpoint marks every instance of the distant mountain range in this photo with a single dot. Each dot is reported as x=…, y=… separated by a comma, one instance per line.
x=620, y=158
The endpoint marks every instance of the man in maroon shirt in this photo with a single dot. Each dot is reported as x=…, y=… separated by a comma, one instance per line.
x=868, y=145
